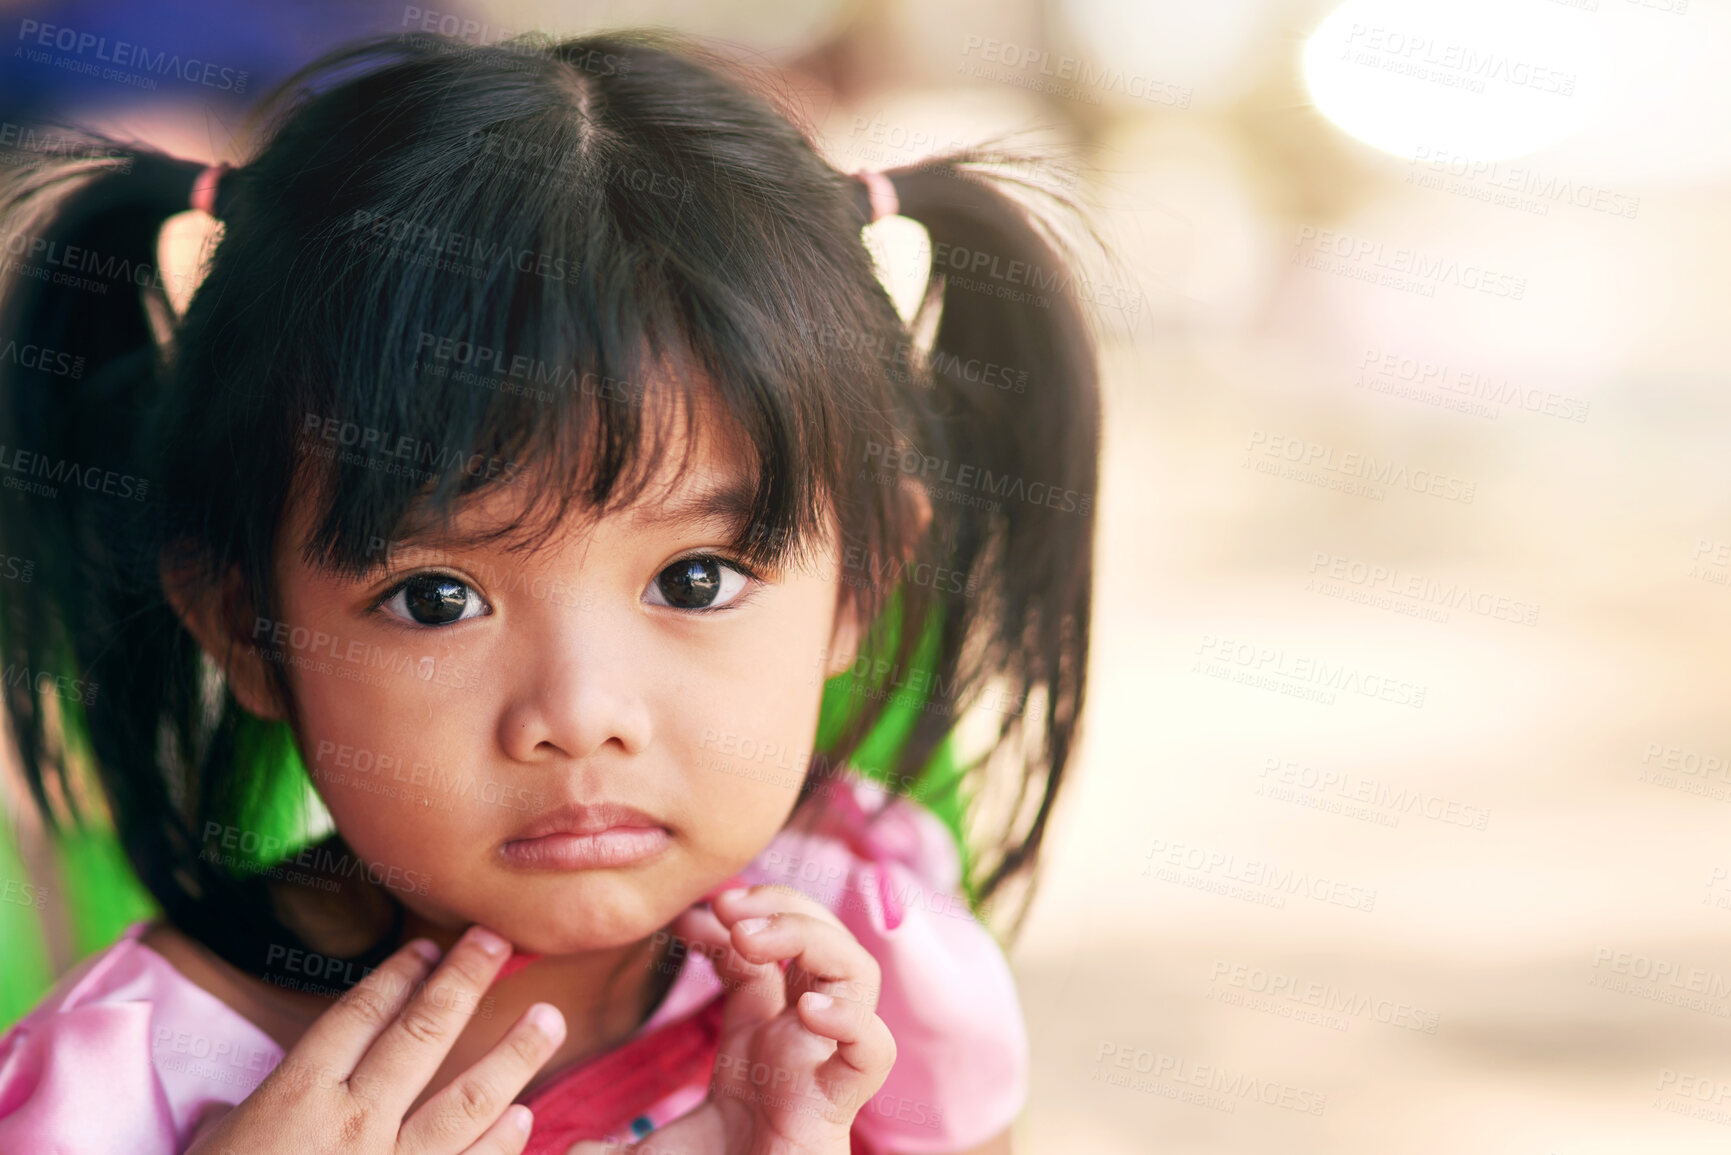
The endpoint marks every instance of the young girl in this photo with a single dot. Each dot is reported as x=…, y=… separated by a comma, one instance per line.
x=541, y=476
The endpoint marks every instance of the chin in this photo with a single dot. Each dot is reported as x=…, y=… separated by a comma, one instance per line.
x=587, y=915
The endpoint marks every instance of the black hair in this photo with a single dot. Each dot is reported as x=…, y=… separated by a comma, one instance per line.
x=605, y=223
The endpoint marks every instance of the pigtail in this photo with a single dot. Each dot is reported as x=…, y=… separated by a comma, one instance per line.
x=110, y=700
x=77, y=381
x=1006, y=451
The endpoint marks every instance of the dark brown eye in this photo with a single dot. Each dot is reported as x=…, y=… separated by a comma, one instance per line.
x=435, y=599
x=696, y=583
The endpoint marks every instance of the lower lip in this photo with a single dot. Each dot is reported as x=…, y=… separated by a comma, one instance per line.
x=615, y=846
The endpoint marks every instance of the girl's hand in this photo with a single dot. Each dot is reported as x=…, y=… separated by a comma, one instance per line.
x=346, y=1084
x=800, y=1052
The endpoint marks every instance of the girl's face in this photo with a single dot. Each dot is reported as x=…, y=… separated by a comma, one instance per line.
x=628, y=663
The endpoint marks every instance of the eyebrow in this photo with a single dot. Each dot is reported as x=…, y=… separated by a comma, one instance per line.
x=729, y=502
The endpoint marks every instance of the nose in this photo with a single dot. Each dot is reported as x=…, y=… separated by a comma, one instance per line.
x=583, y=687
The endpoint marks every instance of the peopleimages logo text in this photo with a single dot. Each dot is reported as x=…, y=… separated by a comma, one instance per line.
x=1319, y=246
x=123, y=54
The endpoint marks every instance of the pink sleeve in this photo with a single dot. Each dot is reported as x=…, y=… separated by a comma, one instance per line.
x=122, y=1055
x=948, y=998
x=65, y=1085
x=62, y=1093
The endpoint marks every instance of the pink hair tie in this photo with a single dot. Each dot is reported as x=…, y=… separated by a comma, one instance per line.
x=883, y=193
x=204, y=188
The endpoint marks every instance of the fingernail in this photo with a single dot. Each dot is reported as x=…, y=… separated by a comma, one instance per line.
x=818, y=1001
x=521, y=1117
x=426, y=948
x=547, y=1020
x=731, y=893
x=489, y=942
x=752, y=925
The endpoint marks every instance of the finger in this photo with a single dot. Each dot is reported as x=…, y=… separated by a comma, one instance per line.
x=825, y=957
x=699, y=932
x=765, y=898
x=677, y=1138
x=865, y=1049
x=772, y=899
x=508, y=1135
x=473, y=1101
x=700, y=1131
x=642, y=1147
x=338, y=1038
x=755, y=992
x=410, y=1049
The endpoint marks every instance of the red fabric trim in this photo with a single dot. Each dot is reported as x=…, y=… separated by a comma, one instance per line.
x=602, y=1096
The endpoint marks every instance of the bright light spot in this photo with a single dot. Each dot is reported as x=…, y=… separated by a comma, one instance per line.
x=1666, y=116
x=1466, y=79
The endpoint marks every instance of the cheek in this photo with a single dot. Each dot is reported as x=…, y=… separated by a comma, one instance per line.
x=385, y=758
x=747, y=742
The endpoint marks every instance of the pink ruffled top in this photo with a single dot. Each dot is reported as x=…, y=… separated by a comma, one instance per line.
x=125, y=1052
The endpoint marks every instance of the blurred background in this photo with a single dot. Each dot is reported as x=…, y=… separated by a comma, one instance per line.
x=1398, y=820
